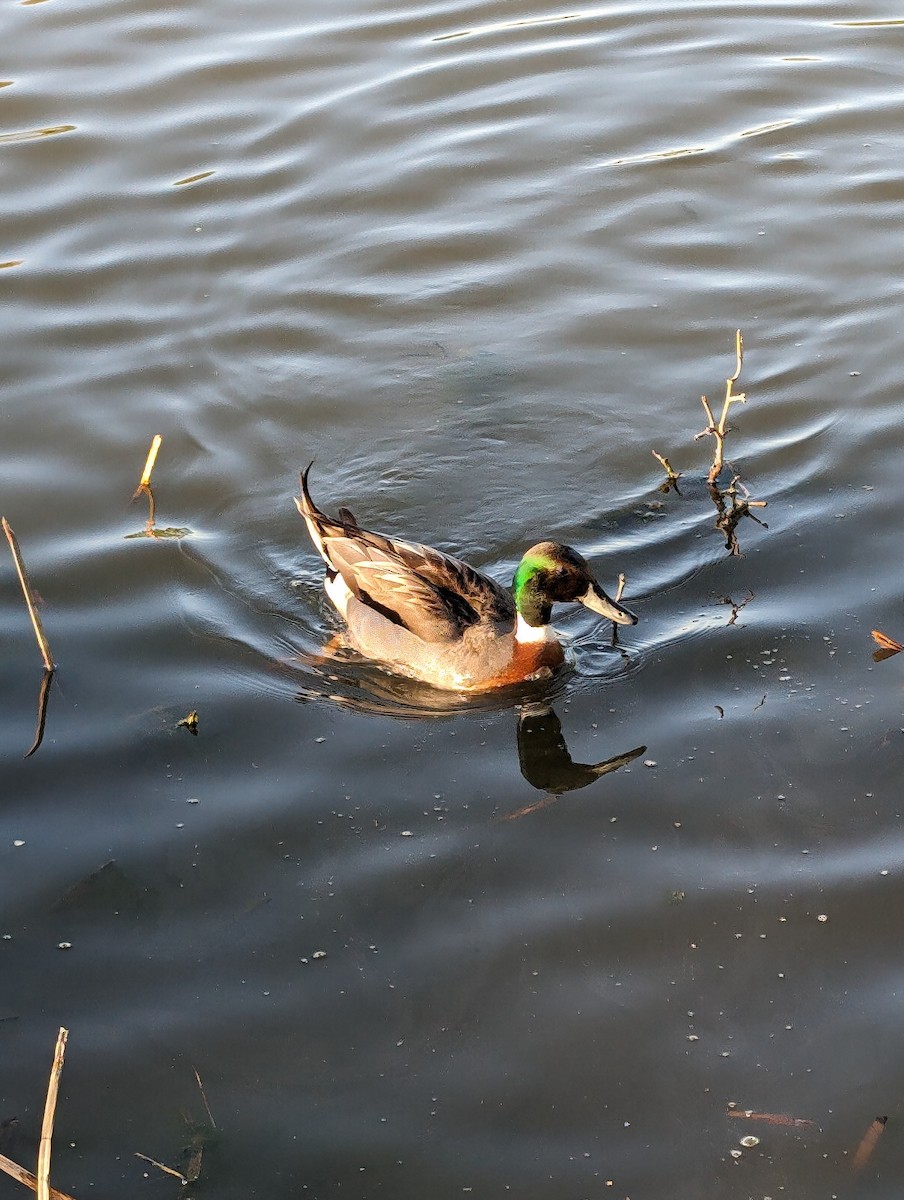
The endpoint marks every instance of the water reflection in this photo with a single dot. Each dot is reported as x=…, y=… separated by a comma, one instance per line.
x=543, y=755
x=545, y=760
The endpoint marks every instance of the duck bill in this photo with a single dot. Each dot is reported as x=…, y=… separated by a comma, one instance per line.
x=597, y=600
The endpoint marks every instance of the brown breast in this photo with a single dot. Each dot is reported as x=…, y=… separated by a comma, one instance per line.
x=530, y=657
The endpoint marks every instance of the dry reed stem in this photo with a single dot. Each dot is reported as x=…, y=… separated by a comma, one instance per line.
x=149, y=464
x=43, y=644
x=27, y=1179
x=53, y=1087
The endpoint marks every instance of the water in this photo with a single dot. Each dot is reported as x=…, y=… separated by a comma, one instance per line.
x=479, y=262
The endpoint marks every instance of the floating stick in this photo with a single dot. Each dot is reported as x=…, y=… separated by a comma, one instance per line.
x=53, y=1087
x=43, y=644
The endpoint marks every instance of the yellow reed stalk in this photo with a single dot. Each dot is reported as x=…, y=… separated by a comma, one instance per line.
x=53, y=1086
x=151, y=459
x=43, y=644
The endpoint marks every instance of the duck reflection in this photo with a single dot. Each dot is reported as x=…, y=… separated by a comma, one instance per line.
x=543, y=753
x=546, y=763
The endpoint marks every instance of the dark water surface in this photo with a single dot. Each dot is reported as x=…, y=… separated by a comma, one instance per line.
x=479, y=260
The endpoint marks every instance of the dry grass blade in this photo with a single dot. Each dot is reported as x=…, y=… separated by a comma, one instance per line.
x=27, y=1179
x=43, y=644
x=53, y=1087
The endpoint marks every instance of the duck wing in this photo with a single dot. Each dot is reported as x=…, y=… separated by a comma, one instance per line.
x=435, y=596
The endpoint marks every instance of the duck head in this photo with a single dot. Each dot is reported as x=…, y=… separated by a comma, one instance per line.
x=550, y=573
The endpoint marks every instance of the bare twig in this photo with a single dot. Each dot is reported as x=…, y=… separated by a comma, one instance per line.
x=43, y=644
x=672, y=476
x=719, y=429
x=27, y=1179
x=53, y=1087
x=736, y=608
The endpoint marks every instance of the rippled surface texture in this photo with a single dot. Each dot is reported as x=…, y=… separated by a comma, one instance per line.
x=479, y=261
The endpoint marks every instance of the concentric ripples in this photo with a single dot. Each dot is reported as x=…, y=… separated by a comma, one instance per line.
x=479, y=262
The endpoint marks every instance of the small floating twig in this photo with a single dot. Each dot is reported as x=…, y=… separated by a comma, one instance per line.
x=736, y=608
x=162, y=1167
x=719, y=430
x=53, y=1086
x=43, y=644
x=672, y=476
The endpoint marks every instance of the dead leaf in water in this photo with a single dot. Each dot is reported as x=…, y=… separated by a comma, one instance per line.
x=887, y=646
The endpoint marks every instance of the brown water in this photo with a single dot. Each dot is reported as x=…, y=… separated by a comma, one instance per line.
x=479, y=261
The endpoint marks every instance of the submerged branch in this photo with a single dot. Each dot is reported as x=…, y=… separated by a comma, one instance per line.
x=43, y=697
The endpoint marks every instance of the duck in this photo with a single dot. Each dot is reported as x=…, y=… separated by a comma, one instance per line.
x=423, y=613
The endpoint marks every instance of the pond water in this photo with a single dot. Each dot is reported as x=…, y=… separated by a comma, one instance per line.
x=479, y=261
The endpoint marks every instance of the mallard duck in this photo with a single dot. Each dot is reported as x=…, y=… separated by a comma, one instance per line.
x=433, y=617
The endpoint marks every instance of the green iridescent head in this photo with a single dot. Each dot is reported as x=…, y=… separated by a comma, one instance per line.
x=550, y=573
